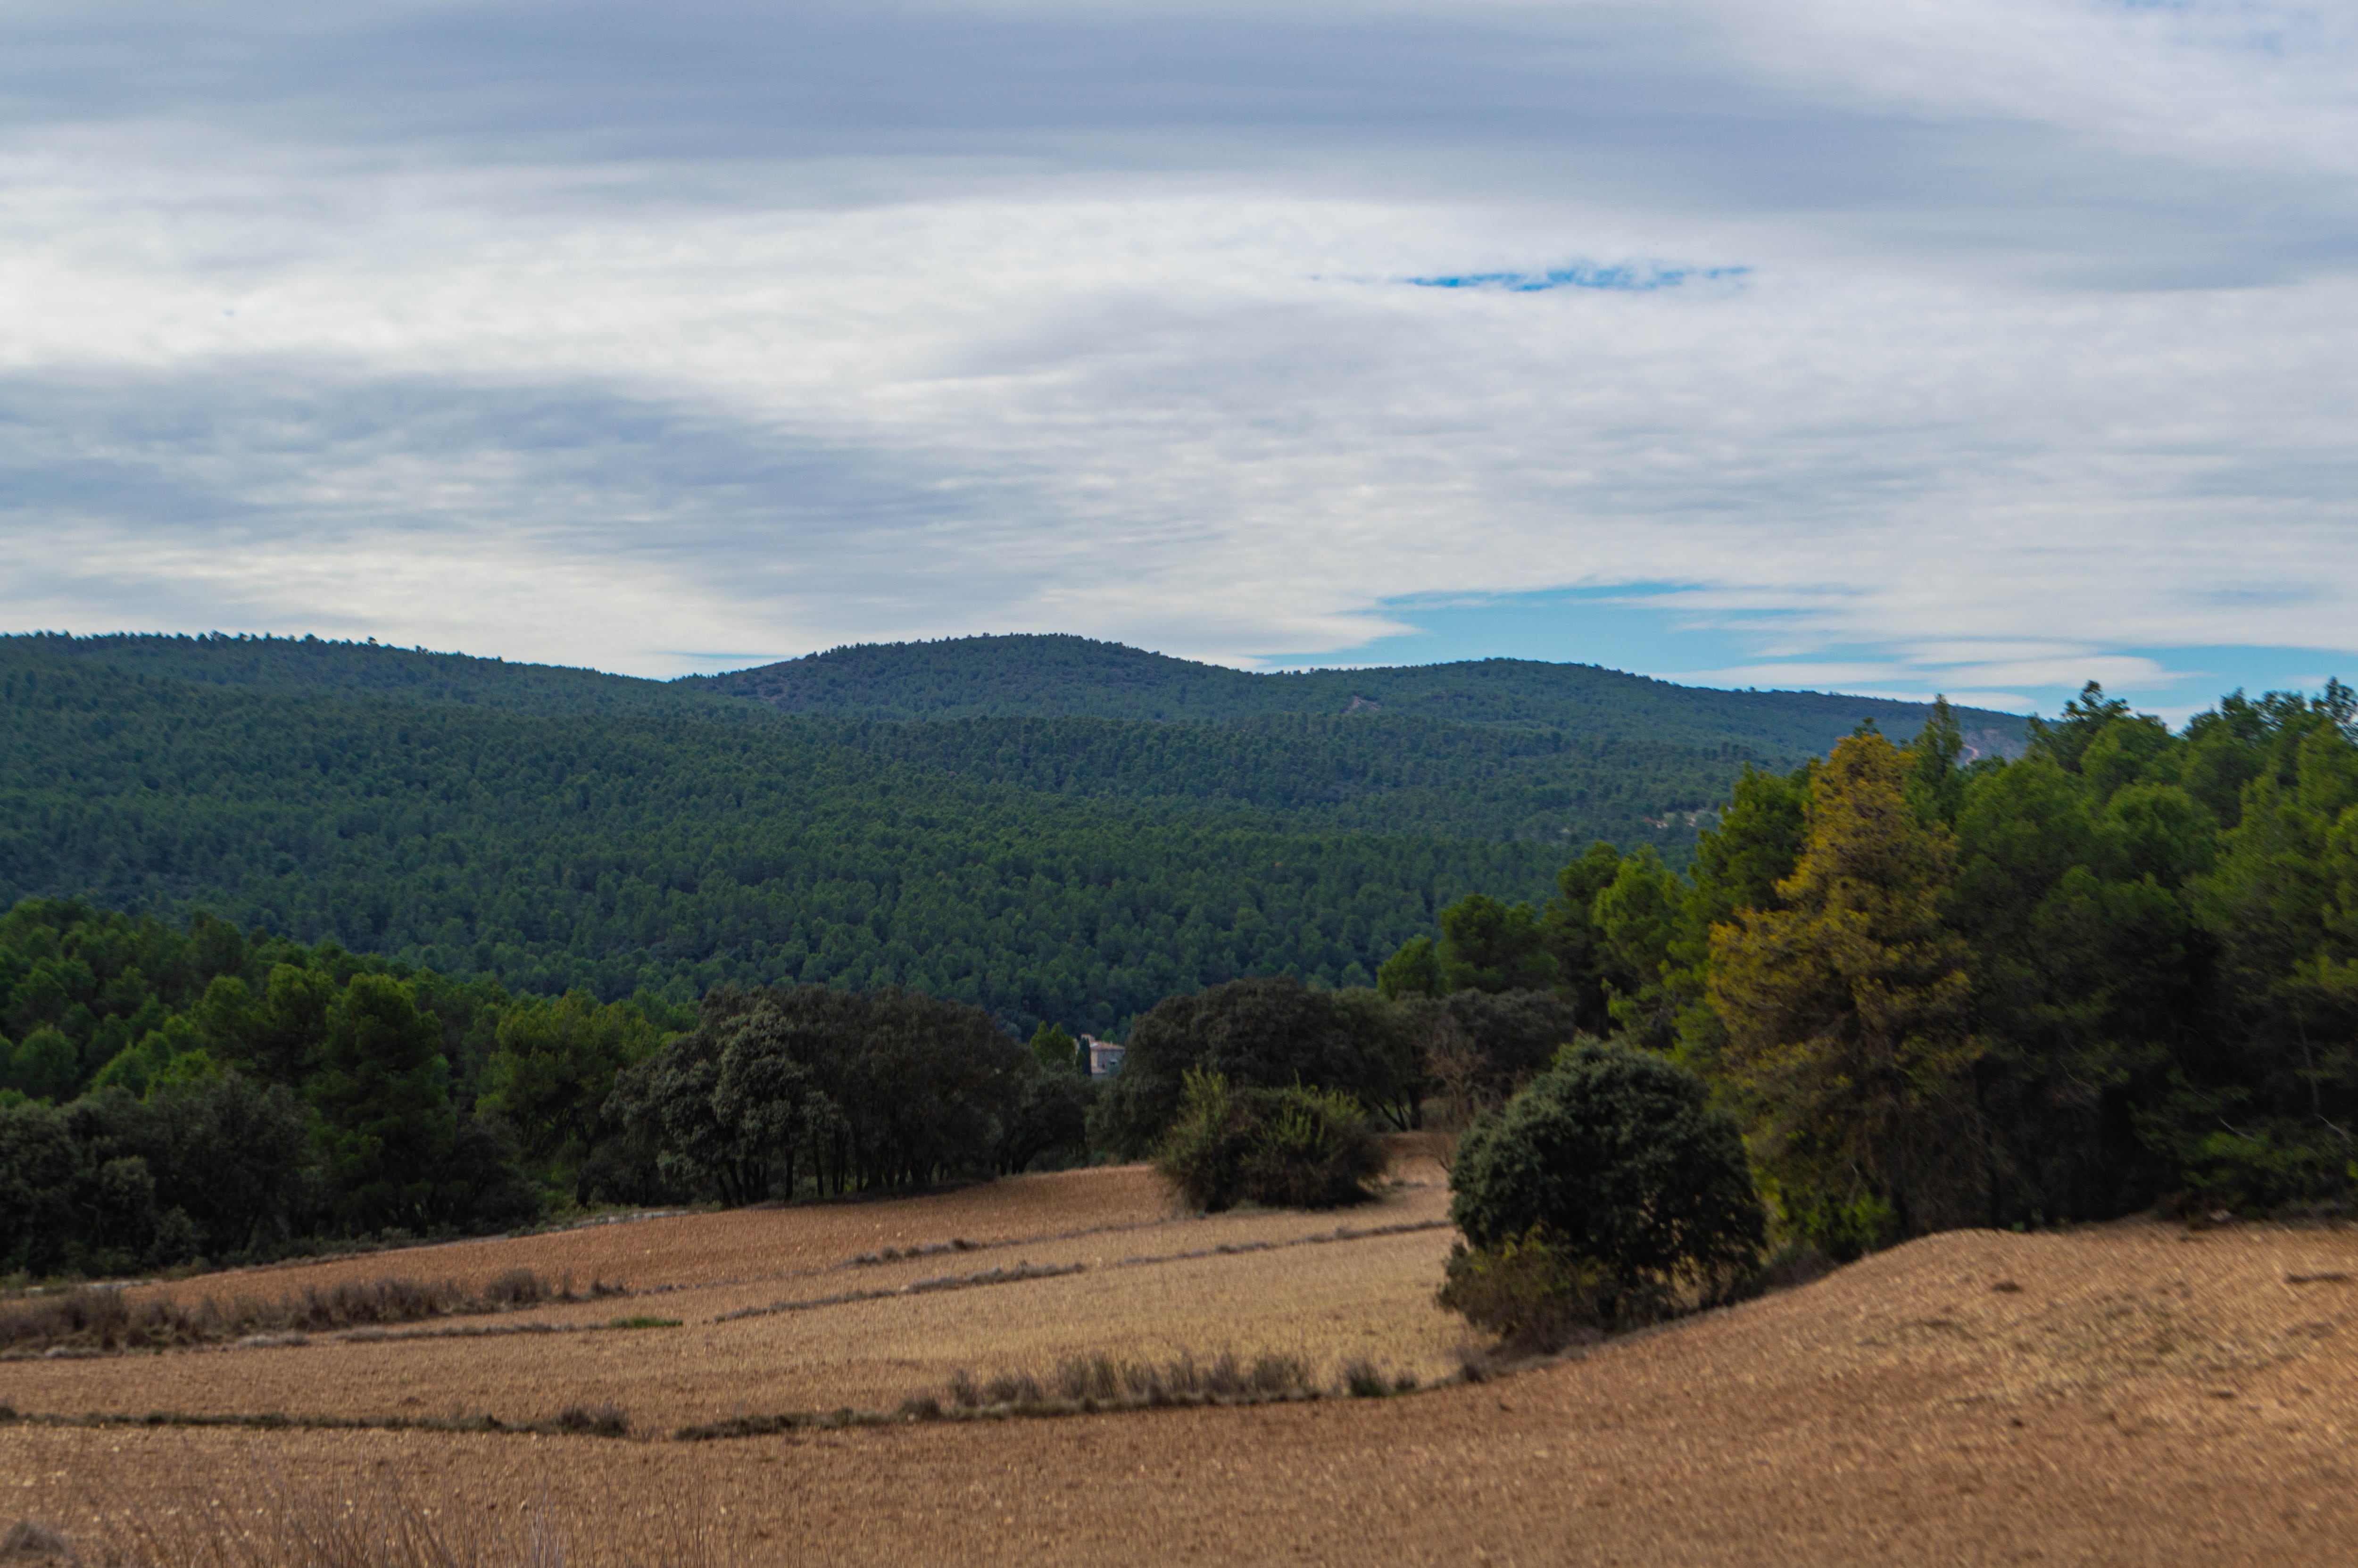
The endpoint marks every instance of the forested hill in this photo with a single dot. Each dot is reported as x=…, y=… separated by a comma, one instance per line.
x=313, y=668
x=551, y=827
x=1073, y=677
x=1050, y=677
x=633, y=850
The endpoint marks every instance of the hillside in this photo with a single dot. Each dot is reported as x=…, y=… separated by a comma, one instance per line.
x=1044, y=845
x=1049, y=676
x=1497, y=749
x=1038, y=676
x=2133, y=1393
x=678, y=854
x=306, y=666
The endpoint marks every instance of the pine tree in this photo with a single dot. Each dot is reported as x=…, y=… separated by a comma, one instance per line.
x=385, y=1096
x=1847, y=1011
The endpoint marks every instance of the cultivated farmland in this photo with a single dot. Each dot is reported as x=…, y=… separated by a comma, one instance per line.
x=2128, y=1393
x=802, y=1309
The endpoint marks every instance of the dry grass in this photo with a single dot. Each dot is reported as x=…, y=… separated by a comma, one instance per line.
x=742, y=1246
x=2126, y=1395
x=100, y=1318
x=1099, y=1280
x=259, y=1520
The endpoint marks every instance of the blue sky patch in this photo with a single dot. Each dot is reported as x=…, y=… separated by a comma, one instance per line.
x=1629, y=277
x=1646, y=628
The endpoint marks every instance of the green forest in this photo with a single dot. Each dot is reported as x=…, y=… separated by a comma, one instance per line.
x=2118, y=971
x=175, y=1092
x=286, y=962
x=558, y=828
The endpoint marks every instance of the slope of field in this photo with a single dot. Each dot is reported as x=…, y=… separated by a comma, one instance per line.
x=798, y=1309
x=2128, y=1394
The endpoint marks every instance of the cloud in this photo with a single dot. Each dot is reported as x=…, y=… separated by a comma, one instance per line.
x=610, y=335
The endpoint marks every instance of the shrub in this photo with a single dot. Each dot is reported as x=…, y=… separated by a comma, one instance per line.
x=1843, y=1230
x=1312, y=1151
x=1604, y=1188
x=100, y=1317
x=27, y=1539
x=1535, y=1296
x=1204, y=1153
x=2286, y=1167
x=1263, y=1033
x=609, y=1420
x=1617, y=1154
x=1100, y=1381
x=1296, y=1147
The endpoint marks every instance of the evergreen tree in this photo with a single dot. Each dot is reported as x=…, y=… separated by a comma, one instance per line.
x=383, y=1092
x=1572, y=938
x=1488, y=944
x=1058, y=1051
x=1413, y=971
x=555, y=1066
x=1635, y=920
x=1847, y=1011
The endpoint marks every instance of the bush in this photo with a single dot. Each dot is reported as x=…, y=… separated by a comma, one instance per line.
x=1842, y=1231
x=1296, y=1147
x=1535, y=1296
x=1257, y=1034
x=2287, y=1167
x=1610, y=1182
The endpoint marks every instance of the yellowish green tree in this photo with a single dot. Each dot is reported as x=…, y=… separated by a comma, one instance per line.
x=1847, y=1012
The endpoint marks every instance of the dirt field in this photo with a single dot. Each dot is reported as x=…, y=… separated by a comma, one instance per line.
x=2131, y=1394
x=1145, y=1282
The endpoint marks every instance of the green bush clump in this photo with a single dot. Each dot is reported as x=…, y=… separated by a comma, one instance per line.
x=1603, y=1194
x=1292, y=1148
x=1535, y=1296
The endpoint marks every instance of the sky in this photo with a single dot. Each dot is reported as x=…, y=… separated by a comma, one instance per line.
x=1887, y=346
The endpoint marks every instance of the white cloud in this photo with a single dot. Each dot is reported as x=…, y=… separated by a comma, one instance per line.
x=1025, y=324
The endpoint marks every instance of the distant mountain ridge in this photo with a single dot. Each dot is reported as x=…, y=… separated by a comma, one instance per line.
x=1063, y=676
x=1016, y=821
x=315, y=667
x=1048, y=675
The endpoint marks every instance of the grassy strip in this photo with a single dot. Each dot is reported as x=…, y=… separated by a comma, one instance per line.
x=921, y=1249
x=787, y=1420
x=1340, y=1233
x=492, y=1330
x=1020, y=1273
x=98, y=1318
x=574, y=1421
x=1089, y=1385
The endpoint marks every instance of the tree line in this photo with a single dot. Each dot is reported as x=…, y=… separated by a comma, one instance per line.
x=2121, y=969
x=170, y=1094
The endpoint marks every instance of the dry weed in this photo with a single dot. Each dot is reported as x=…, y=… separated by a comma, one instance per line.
x=101, y=1319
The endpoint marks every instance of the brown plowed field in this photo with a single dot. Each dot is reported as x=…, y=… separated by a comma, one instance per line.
x=753, y=1243
x=2130, y=1394
x=1151, y=1283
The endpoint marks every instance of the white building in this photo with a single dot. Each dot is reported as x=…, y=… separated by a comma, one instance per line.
x=1104, y=1058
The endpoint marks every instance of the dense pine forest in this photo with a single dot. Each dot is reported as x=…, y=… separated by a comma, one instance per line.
x=553, y=828
x=478, y=947
x=2121, y=970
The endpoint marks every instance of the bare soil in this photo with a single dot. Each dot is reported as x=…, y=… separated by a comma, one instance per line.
x=780, y=1314
x=2134, y=1393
